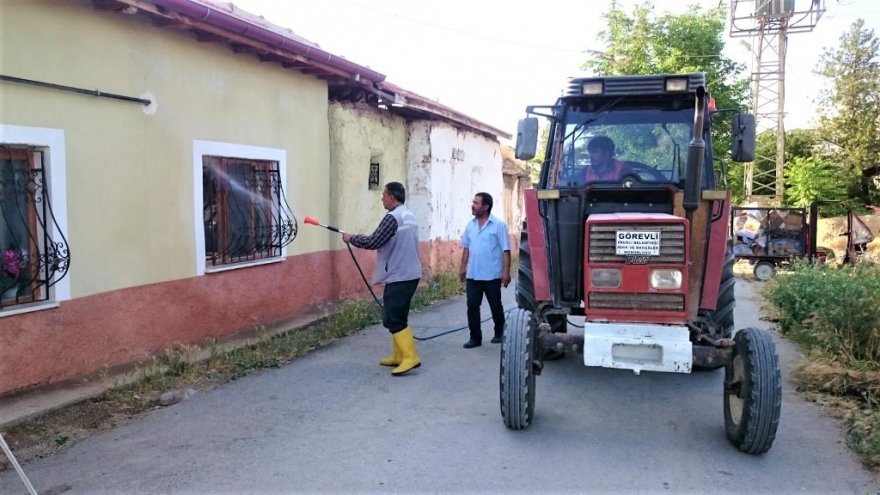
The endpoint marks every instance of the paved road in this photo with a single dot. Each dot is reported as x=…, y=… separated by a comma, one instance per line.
x=336, y=422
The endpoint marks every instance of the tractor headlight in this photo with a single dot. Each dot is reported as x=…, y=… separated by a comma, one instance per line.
x=592, y=88
x=676, y=85
x=665, y=278
x=605, y=277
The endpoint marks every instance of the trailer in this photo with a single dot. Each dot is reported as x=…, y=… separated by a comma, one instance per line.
x=769, y=237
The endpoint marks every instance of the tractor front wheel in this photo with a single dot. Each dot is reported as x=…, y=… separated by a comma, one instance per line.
x=752, y=392
x=517, y=376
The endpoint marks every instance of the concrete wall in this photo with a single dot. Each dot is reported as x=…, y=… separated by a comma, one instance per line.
x=126, y=181
x=131, y=191
x=447, y=166
x=129, y=173
x=360, y=135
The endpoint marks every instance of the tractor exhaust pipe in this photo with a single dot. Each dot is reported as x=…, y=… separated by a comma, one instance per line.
x=693, y=179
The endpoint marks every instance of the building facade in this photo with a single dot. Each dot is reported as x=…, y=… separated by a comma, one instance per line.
x=166, y=207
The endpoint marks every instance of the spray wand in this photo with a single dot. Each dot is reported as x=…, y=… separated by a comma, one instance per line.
x=312, y=221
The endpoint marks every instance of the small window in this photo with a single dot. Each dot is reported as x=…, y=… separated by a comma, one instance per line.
x=30, y=260
x=246, y=216
x=374, y=174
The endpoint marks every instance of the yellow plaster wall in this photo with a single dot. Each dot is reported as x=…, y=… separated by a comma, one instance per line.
x=130, y=175
x=359, y=133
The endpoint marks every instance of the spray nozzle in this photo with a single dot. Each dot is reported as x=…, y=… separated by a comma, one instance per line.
x=312, y=221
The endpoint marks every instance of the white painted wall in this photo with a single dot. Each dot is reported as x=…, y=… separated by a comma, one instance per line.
x=447, y=166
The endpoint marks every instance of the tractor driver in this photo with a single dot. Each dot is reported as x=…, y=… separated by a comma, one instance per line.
x=603, y=166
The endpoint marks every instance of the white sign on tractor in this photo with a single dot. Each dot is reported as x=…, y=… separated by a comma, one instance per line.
x=637, y=242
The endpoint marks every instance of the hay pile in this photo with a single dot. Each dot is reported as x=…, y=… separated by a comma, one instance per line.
x=838, y=380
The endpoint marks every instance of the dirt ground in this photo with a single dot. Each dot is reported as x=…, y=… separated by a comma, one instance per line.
x=57, y=430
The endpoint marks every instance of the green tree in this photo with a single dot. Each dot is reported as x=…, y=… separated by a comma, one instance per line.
x=642, y=43
x=800, y=143
x=811, y=178
x=850, y=107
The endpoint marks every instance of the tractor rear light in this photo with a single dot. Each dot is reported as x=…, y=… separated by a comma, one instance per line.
x=676, y=85
x=665, y=278
x=592, y=88
x=605, y=277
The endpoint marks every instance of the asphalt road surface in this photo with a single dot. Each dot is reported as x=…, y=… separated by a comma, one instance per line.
x=335, y=421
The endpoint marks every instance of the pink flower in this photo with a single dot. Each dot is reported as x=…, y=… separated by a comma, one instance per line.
x=11, y=262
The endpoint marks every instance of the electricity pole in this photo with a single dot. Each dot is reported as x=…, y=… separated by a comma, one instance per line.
x=768, y=23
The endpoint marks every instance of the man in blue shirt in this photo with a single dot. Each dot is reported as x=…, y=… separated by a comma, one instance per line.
x=485, y=267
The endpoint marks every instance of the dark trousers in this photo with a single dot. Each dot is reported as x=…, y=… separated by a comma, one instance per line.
x=396, y=300
x=475, y=291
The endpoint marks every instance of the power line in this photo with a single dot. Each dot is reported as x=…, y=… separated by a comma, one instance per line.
x=464, y=32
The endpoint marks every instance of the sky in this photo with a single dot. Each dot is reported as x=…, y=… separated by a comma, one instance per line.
x=490, y=58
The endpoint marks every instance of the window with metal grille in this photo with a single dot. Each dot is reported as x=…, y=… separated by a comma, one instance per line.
x=245, y=211
x=34, y=254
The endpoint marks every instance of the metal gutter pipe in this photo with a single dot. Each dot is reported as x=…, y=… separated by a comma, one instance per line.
x=91, y=92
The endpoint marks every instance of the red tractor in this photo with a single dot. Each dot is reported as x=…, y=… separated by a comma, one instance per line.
x=644, y=256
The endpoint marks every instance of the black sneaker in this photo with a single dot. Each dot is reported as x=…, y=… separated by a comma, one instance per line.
x=496, y=339
x=470, y=344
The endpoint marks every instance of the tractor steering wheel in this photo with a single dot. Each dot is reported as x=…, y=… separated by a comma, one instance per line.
x=640, y=173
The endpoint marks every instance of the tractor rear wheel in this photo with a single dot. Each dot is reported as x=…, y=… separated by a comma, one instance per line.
x=525, y=285
x=517, y=376
x=720, y=320
x=718, y=323
x=752, y=392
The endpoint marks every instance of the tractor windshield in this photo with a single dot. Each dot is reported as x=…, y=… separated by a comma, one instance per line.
x=619, y=143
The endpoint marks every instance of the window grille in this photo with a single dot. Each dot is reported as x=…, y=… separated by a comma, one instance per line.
x=246, y=213
x=374, y=176
x=34, y=254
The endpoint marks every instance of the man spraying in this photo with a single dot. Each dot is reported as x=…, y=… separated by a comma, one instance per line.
x=399, y=268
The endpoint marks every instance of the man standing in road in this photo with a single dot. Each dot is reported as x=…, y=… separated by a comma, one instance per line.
x=399, y=268
x=485, y=267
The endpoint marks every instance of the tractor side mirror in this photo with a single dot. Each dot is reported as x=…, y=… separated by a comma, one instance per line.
x=742, y=135
x=527, y=138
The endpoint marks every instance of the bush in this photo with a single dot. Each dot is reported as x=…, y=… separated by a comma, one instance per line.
x=832, y=310
x=835, y=314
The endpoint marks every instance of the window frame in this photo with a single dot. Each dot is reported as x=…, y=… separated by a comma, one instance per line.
x=203, y=149
x=257, y=243
x=51, y=142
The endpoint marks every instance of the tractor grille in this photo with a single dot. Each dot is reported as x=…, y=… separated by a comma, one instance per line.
x=603, y=241
x=636, y=301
